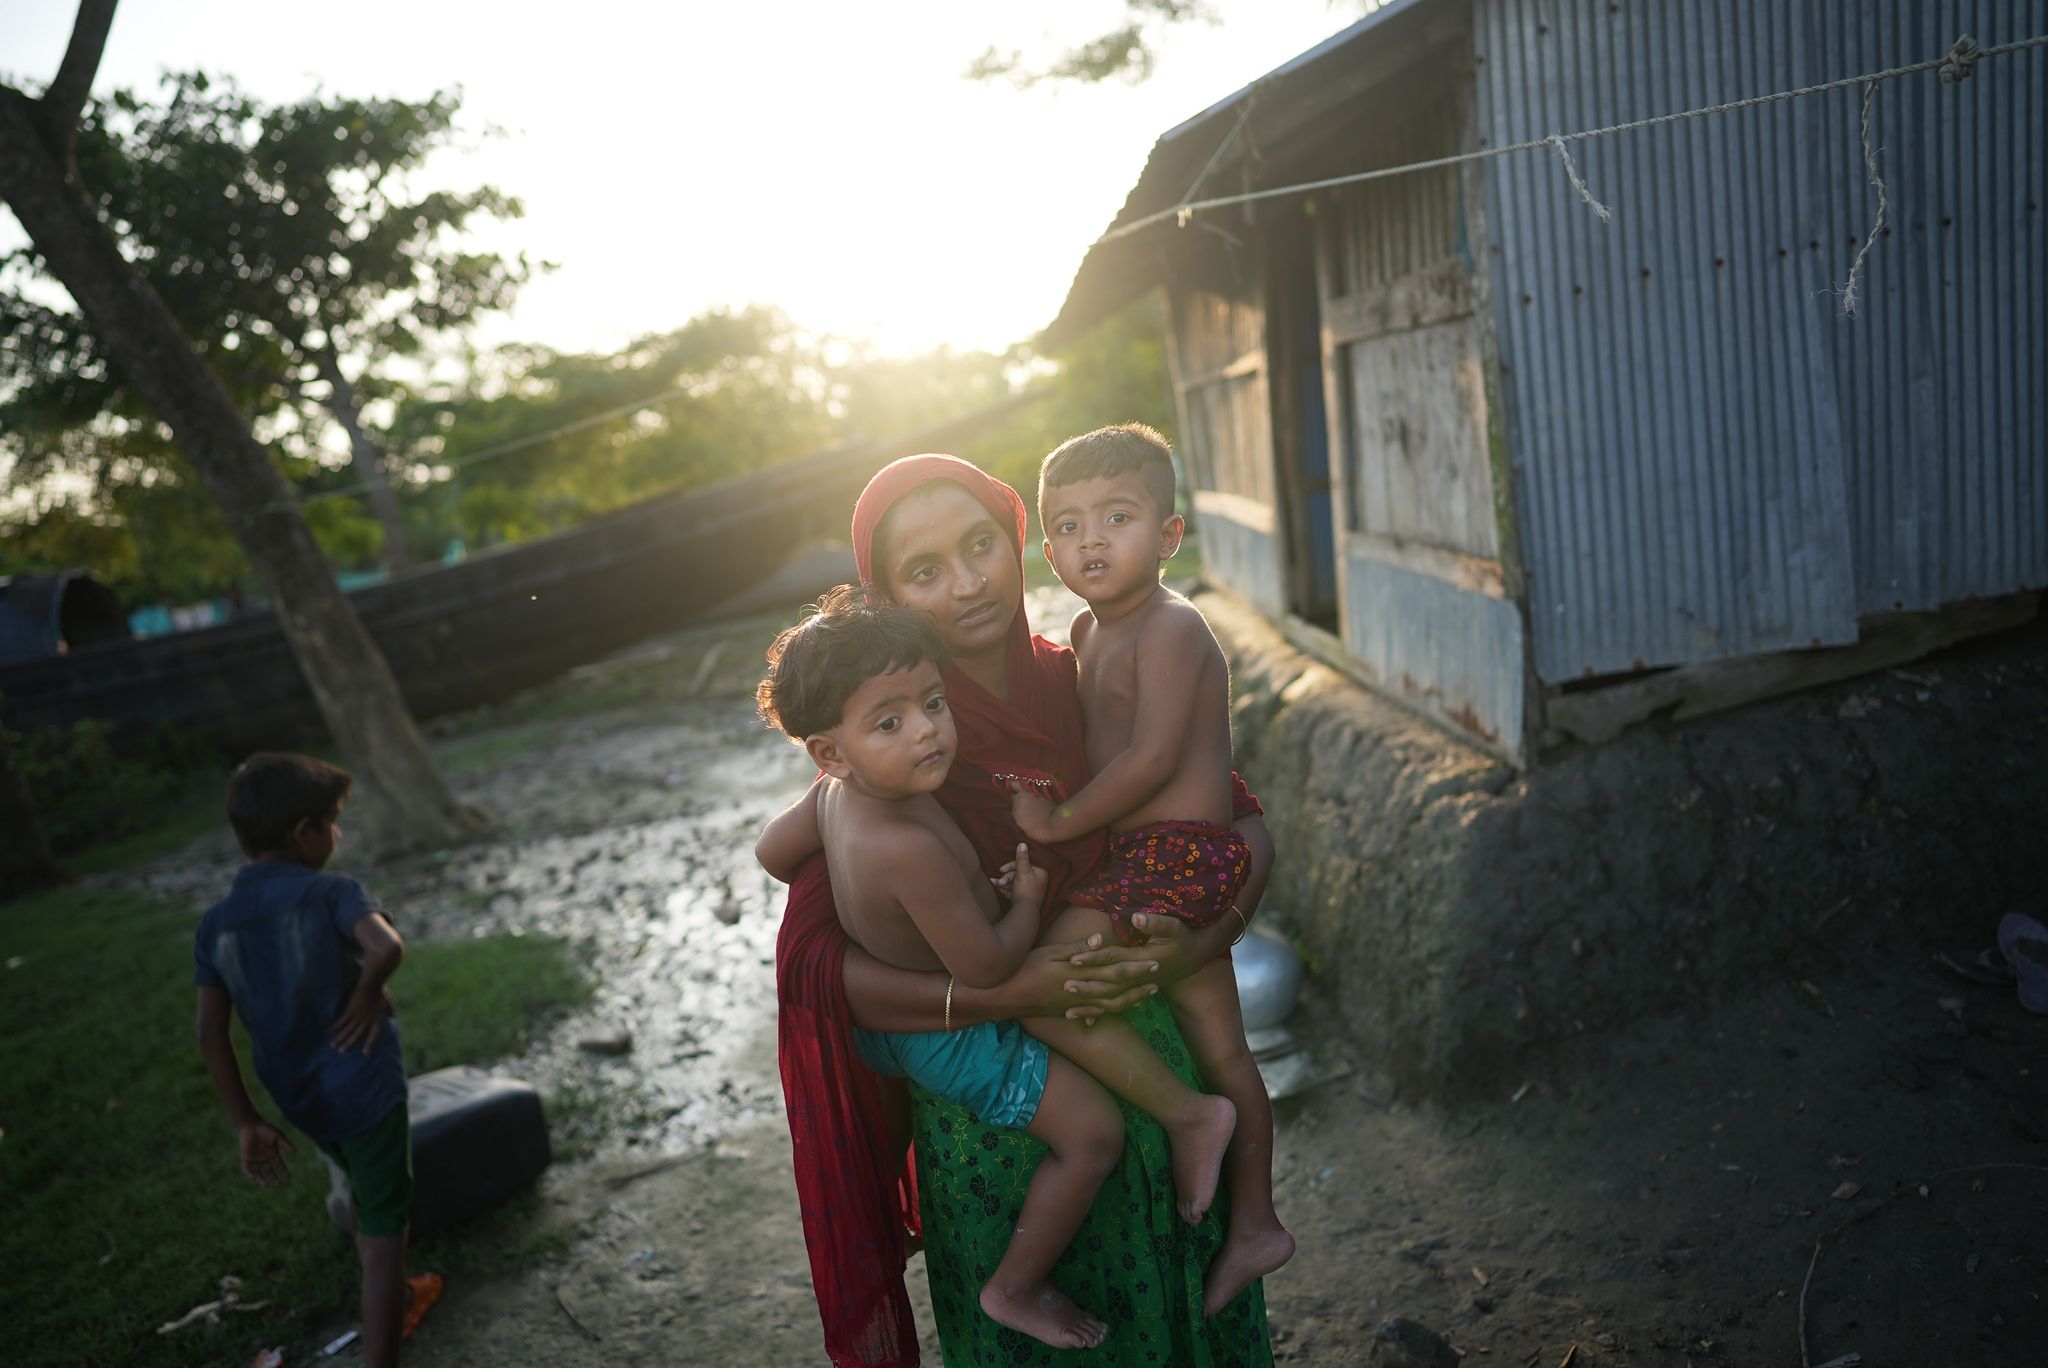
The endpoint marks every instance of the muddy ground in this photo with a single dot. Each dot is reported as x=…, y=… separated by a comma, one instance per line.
x=1650, y=1198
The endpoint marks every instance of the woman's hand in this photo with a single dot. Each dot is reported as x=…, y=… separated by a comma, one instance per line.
x=1081, y=980
x=1167, y=951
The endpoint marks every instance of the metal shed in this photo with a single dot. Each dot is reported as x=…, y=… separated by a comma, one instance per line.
x=1538, y=475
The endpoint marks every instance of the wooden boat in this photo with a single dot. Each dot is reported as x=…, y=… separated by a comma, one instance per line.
x=502, y=620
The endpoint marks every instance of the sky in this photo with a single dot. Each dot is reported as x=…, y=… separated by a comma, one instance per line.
x=828, y=159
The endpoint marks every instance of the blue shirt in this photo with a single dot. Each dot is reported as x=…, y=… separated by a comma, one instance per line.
x=282, y=944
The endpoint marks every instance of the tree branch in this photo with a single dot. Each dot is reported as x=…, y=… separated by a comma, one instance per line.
x=64, y=101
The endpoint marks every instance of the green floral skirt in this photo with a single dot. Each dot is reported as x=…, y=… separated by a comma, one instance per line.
x=1135, y=1264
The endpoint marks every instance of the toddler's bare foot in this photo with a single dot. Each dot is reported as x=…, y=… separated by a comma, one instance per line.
x=1246, y=1257
x=1044, y=1313
x=1198, y=1146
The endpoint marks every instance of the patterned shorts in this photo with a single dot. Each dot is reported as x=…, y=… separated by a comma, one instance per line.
x=1190, y=870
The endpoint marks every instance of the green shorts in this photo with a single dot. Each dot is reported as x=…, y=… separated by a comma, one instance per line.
x=993, y=1069
x=379, y=1167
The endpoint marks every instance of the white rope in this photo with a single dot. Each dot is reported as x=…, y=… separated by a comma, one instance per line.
x=1876, y=224
x=1955, y=65
x=1251, y=102
x=1599, y=209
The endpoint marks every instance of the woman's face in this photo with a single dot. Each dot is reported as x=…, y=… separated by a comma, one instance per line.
x=940, y=552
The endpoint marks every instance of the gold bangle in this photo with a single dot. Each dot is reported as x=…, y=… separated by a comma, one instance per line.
x=1244, y=924
x=949, y=1004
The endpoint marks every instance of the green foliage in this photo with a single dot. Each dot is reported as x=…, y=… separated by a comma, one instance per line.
x=552, y=447
x=286, y=240
x=1115, y=373
x=1129, y=50
x=85, y=791
x=118, y=1169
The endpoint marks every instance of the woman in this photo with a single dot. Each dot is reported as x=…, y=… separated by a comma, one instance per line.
x=937, y=534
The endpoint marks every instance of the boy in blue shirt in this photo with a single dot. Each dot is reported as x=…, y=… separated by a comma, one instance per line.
x=304, y=956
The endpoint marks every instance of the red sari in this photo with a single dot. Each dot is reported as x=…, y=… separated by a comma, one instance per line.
x=856, y=1182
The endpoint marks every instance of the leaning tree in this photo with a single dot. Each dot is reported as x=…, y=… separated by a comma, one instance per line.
x=357, y=695
x=291, y=245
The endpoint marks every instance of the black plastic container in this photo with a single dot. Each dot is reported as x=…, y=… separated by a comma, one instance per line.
x=476, y=1140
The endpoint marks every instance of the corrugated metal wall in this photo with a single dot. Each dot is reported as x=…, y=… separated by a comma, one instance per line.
x=1710, y=461
x=1941, y=375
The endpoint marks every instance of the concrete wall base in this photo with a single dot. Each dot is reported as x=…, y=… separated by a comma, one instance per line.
x=1465, y=913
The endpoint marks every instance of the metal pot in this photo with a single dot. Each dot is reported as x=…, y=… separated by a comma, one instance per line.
x=1269, y=977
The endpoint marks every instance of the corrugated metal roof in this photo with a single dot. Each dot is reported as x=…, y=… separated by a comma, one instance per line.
x=1287, y=98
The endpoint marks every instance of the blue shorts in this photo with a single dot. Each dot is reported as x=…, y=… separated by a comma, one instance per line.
x=996, y=1069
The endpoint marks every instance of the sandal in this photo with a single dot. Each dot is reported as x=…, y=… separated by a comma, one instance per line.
x=1987, y=965
x=422, y=1290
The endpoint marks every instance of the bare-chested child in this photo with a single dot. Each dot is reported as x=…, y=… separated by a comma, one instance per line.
x=1155, y=700
x=858, y=685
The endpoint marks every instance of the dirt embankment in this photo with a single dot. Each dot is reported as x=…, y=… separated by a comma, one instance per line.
x=1470, y=914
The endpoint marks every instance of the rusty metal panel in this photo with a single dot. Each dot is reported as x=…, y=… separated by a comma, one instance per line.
x=1453, y=655
x=1669, y=378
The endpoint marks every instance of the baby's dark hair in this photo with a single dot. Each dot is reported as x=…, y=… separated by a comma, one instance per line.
x=273, y=791
x=1120, y=449
x=850, y=636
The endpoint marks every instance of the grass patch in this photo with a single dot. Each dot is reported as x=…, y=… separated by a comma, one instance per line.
x=462, y=1001
x=118, y=1171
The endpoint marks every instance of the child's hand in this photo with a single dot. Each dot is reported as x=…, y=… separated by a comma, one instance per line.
x=1026, y=879
x=263, y=1150
x=1032, y=811
x=362, y=1020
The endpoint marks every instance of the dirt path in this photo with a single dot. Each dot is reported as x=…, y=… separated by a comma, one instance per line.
x=1650, y=1200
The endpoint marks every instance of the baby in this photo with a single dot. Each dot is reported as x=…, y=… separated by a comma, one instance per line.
x=1155, y=698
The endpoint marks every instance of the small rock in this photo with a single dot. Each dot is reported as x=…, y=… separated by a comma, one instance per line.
x=1846, y=1192
x=1403, y=1343
x=607, y=1042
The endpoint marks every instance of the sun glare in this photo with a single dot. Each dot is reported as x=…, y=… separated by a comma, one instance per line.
x=828, y=160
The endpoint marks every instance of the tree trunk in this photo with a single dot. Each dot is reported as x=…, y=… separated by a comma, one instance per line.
x=366, y=462
x=350, y=680
x=25, y=859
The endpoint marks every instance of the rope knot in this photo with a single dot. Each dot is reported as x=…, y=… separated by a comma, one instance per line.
x=1556, y=144
x=1960, y=61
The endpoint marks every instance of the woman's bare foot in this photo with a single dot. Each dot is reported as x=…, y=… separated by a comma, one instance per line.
x=1246, y=1257
x=1198, y=1146
x=1044, y=1313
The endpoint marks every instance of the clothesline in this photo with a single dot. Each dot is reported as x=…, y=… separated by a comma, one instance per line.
x=1955, y=65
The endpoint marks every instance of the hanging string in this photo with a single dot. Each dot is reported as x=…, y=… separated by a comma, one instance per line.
x=1599, y=209
x=1848, y=290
